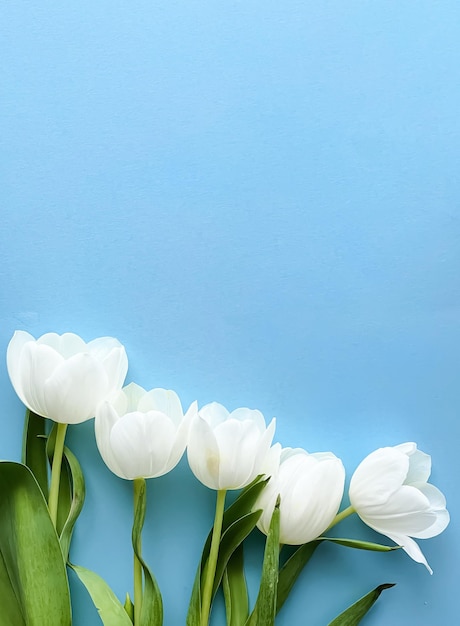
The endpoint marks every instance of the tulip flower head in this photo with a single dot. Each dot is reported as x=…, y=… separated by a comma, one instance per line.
x=228, y=450
x=142, y=434
x=62, y=377
x=310, y=487
x=390, y=493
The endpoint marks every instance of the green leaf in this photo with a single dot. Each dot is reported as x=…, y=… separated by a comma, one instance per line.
x=34, y=449
x=240, y=509
x=33, y=579
x=110, y=609
x=292, y=568
x=152, y=604
x=360, y=545
x=72, y=468
x=129, y=608
x=264, y=612
x=65, y=484
x=230, y=540
x=354, y=614
x=235, y=589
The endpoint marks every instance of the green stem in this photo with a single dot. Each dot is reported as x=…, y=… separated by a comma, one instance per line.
x=138, y=483
x=340, y=516
x=210, y=569
x=56, y=471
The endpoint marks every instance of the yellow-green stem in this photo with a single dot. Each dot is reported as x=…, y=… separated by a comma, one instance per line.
x=210, y=569
x=340, y=516
x=56, y=472
x=138, y=579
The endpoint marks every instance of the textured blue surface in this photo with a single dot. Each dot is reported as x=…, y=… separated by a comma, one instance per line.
x=261, y=201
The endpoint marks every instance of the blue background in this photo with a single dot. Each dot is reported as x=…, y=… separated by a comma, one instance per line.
x=261, y=201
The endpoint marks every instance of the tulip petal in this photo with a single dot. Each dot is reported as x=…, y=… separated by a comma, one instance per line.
x=214, y=413
x=132, y=395
x=66, y=345
x=106, y=418
x=411, y=547
x=115, y=365
x=419, y=467
x=377, y=477
x=74, y=389
x=13, y=356
x=238, y=444
x=203, y=453
x=164, y=400
x=141, y=443
x=36, y=365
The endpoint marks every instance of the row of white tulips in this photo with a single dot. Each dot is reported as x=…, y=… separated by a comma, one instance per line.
x=143, y=434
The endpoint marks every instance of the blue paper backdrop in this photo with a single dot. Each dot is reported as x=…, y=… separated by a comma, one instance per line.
x=261, y=201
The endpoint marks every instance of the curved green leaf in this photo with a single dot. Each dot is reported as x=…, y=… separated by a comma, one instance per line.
x=235, y=589
x=33, y=579
x=238, y=521
x=152, y=604
x=292, y=568
x=354, y=614
x=71, y=467
x=34, y=449
x=109, y=607
x=264, y=612
x=360, y=545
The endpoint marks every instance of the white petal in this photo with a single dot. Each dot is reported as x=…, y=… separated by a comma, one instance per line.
x=142, y=442
x=406, y=512
x=419, y=468
x=164, y=400
x=203, y=453
x=106, y=418
x=115, y=364
x=133, y=394
x=214, y=413
x=67, y=344
x=37, y=363
x=13, y=356
x=238, y=445
x=438, y=506
x=74, y=389
x=377, y=477
x=253, y=415
x=412, y=549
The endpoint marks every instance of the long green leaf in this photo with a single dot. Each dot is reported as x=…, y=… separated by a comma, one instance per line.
x=292, y=568
x=73, y=470
x=235, y=589
x=65, y=483
x=33, y=579
x=264, y=612
x=152, y=604
x=360, y=545
x=110, y=609
x=240, y=509
x=230, y=540
x=34, y=449
x=354, y=614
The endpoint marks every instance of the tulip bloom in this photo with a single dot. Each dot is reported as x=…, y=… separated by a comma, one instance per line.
x=62, y=377
x=228, y=450
x=310, y=487
x=142, y=434
x=390, y=493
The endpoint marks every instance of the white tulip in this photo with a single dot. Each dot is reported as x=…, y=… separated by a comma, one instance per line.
x=228, y=450
x=142, y=434
x=390, y=493
x=62, y=377
x=310, y=487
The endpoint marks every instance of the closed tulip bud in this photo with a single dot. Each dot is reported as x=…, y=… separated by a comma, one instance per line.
x=228, y=450
x=310, y=487
x=390, y=493
x=142, y=434
x=62, y=377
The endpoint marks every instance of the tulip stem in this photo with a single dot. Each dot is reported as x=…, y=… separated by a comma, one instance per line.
x=56, y=471
x=139, y=491
x=340, y=516
x=210, y=568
